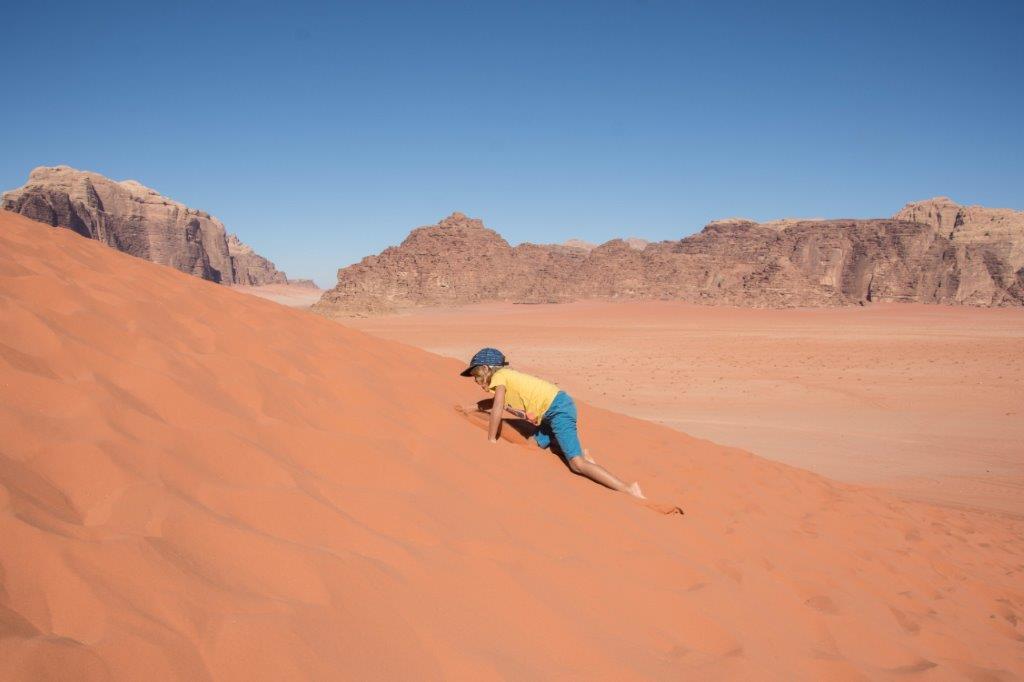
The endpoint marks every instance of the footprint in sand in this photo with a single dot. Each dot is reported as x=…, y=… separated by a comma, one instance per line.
x=912, y=668
x=1005, y=609
x=823, y=604
x=699, y=637
x=908, y=624
x=731, y=571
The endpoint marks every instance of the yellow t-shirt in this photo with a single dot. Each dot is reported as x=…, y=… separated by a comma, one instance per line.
x=526, y=396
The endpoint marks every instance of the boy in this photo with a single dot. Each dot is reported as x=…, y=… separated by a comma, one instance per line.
x=552, y=411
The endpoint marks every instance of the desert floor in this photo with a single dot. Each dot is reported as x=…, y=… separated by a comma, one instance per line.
x=291, y=295
x=201, y=485
x=925, y=400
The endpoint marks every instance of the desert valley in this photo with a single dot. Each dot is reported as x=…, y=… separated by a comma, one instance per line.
x=200, y=484
x=450, y=341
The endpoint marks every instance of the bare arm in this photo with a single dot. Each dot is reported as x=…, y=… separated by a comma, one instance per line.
x=496, y=409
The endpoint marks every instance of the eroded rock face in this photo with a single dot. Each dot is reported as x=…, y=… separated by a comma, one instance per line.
x=138, y=220
x=732, y=262
x=454, y=262
x=988, y=248
x=251, y=268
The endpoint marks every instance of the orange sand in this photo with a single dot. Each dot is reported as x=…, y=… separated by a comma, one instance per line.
x=927, y=400
x=290, y=295
x=199, y=484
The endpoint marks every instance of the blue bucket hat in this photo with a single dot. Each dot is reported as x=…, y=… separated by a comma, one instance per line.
x=486, y=356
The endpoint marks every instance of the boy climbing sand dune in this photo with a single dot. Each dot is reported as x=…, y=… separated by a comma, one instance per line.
x=549, y=409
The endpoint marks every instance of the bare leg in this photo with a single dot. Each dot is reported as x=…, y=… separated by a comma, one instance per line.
x=597, y=473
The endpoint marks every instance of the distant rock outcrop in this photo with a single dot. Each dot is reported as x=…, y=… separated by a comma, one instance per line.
x=251, y=268
x=633, y=242
x=456, y=261
x=924, y=254
x=987, y=246
x=580, y=244
x=137, y=220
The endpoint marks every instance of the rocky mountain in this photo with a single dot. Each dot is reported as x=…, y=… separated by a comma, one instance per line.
x=923, y=254
x=456, y=261
x=138, y=220
x=987, y=244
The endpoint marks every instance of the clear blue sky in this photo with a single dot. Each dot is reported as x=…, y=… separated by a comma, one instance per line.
x=321, y=133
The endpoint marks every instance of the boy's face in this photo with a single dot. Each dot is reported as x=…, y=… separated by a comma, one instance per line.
x=481, y=380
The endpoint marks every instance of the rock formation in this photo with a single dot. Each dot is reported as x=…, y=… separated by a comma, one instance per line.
x=456, y=261
x=633, y=242
x=580, y=244
x=987, y=245
x=924, y=254
x=249, y=267
x=138, y=220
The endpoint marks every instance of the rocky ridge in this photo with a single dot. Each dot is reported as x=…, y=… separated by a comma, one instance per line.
x=140, y=221
x=926, y=254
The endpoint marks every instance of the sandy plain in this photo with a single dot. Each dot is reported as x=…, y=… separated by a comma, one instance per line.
x=197, y=484
x=291, y=295
x=925, y=400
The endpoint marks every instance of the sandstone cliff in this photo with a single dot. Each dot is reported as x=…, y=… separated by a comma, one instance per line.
x=987, y=245
x=138, y=220
x=249, y=267
x=909, y=258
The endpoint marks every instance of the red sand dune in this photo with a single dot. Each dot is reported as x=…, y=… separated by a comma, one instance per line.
x=199, y=484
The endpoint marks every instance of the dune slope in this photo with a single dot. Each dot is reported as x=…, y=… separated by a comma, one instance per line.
x=198, y=484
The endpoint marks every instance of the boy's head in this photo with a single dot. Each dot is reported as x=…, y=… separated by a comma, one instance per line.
x=482, y=374
x=484, y=364
x=486, y=356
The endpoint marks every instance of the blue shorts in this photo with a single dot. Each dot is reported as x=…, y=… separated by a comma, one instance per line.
x=559, y=423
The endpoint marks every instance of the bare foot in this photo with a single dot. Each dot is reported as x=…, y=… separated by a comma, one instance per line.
x=634, y=490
